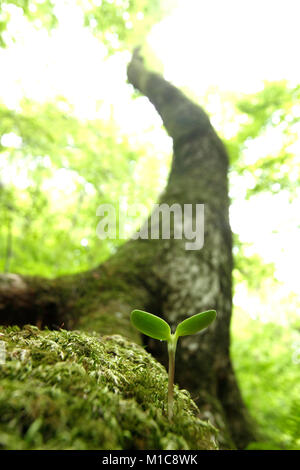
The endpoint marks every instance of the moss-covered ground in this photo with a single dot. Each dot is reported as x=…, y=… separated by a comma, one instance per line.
x=74, y=390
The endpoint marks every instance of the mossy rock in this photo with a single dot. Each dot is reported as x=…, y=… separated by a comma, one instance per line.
x=73, y=390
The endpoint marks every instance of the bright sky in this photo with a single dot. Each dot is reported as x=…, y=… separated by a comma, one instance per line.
x=232, y=44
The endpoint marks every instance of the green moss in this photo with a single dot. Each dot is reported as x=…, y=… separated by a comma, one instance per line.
x=109, y=317
x=73, y=390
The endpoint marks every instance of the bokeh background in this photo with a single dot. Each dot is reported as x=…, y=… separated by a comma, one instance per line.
x=74, y=135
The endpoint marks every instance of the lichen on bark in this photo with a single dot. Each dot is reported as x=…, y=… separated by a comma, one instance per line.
x=76, y=390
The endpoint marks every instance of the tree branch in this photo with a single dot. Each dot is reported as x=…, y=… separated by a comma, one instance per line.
x=180, y=115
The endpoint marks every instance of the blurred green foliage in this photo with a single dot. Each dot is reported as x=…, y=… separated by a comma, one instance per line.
x=55, y=172
x=271, y=117
x=39, y=12
x=266, y=359
x=266, y=352
x=250, y=269
x=117, y=23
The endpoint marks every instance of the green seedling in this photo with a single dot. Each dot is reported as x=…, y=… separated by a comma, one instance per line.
x=157, y=328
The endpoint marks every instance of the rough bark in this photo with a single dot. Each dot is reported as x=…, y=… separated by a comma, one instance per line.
x=161, y=276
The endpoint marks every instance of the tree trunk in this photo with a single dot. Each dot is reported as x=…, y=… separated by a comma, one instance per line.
x=161, y=276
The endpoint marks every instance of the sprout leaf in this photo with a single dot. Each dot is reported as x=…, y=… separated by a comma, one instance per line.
x=150, y=325
x=195, y=323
